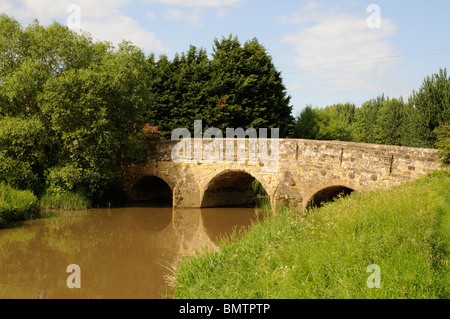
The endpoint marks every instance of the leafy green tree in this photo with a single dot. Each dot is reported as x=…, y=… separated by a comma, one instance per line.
x=32, y=55
x=443, y=143
x=431, y=105
x=306, y=124
x=93, y=111
x=178, y=90
x=366, y=120
x=71, y=109
x=161, y=100
x=391, y=123
x=333, y=122
x=336, y=122
x=246, y=88
x=238, y=87
x=22, y=153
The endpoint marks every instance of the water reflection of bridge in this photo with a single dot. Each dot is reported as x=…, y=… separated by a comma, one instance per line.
x=122, y=252
x=195, y=230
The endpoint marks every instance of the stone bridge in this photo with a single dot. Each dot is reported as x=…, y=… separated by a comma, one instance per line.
x=307, y=172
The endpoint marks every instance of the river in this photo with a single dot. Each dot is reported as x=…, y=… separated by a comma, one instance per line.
x=121, y=252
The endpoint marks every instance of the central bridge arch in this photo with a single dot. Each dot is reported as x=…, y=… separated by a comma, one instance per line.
x=229, y=188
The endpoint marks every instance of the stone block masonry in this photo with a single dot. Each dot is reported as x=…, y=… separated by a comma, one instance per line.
x=305, y=168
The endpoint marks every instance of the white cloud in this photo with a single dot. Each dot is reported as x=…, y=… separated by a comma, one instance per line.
x=295, y=86
x=193, y=16
x=174, y=15
x=103, y=19
x=151, y=15
x=337, y=51
x=222, y=13
x=116, y=29
x=308, y=12
x=196, y=3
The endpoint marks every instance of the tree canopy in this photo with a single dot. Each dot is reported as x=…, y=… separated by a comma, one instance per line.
x=70, y=108
x=238, y=87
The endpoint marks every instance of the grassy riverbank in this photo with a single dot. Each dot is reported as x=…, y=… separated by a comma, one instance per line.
x=17, y=205
x=64, y=200
x=325, y=254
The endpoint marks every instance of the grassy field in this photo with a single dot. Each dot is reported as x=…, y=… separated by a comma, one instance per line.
x=326, y=253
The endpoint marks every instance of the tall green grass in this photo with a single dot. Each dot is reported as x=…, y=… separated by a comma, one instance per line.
x=64, y=200
x=16, y=205
x=326, y=253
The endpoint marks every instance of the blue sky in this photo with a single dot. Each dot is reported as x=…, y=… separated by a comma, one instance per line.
x=328, y=51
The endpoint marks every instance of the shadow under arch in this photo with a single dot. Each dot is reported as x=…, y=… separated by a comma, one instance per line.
x=151, y=191
x=328, y=194
x=230, y=188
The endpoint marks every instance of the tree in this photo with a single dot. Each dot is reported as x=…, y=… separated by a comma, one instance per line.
x=94, y=113
x=239, y=87
x=333, y=122
x=246, y=88
x=431, y=104
x=336, y=122
x=391, y=123
x=178, y=90
x=23, y=159
x=306, y=124
x=30, y=56
x=71, y=109
x=366, y=120
x=443, y=143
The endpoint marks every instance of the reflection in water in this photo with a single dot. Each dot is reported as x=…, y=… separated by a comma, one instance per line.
x=122, y=253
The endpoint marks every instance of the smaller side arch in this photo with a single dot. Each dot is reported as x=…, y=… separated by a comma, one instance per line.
x=329, y=192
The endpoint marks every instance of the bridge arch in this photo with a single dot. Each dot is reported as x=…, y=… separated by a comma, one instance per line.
x=326, y=193
x=151, y=190
x=229, y=188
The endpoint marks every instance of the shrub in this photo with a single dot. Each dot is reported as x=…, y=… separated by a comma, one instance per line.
x=258, y=188
x=17, y=205
x=22, y=155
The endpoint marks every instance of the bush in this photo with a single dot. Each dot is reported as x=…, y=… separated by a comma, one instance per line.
x=258, y=188
x=22, y=156
x=16, y=205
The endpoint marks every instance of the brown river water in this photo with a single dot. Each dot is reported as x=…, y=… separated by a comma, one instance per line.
x=121, y=252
